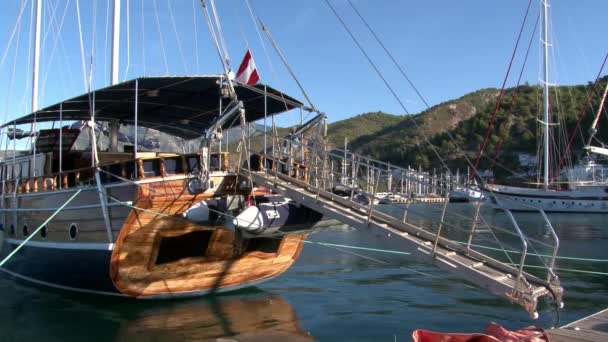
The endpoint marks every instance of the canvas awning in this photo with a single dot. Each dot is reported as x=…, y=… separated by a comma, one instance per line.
x=180, y=106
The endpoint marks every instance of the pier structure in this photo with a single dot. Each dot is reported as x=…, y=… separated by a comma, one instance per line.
x=592, y=328
x=345, y=186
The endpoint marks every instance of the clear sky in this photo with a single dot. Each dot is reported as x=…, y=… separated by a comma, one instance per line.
x=448, y=48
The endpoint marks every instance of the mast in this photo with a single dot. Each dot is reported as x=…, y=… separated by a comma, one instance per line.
x=546, y=122
x=37, y=18
x=114, y=126
x=115, y=41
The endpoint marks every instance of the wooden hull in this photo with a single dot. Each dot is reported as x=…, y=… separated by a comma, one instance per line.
x=150, y=250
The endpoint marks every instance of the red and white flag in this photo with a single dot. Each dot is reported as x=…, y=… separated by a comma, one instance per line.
x=247, y=73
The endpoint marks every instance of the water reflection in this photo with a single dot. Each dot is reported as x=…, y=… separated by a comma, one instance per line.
x=250, y=316
x=28, y=313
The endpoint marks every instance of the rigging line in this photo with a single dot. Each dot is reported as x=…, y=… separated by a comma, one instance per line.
x=143, y=36
x=218, y=48
x=46, y=73
x=82, y=58
x=35, y=232
x=293, y=75
x=515, y=93
x=427, y=140
x=13, y=32
x=126, y=72
x=179, y=43
x=14, y=69
x=160, y=33
x=105, y=41
x=389, y=54
x=26, y=89
x=582, y=113
x=195, y=35
x=270, y=65
x=220, y=33
x=502, y=90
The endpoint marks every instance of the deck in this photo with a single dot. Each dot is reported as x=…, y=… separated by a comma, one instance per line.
x=592, y=328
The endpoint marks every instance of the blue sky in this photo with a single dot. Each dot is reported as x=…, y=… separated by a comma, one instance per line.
x=448, y=48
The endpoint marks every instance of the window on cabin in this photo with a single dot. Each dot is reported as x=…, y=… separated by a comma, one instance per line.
x=173, y=166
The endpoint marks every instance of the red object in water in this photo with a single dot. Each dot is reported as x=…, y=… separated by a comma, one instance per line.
x=492, y=333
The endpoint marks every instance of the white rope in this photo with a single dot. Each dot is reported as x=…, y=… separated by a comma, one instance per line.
x=195, y=35
x=162, y=42
x=126, y=72
x=105, y=41
x=55, y=41
x=179, y=43
x=39, y=228
x=14, y=70
x=13, y=32
x=26, y=85
x=220, y=33
x=143, y=36
x=82, y=58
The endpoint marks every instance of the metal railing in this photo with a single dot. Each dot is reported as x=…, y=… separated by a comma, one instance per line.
x=353, y=175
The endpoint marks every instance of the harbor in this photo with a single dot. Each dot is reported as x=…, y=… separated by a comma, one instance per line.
x=388, y=294
x=587, y=329
x=207, y=200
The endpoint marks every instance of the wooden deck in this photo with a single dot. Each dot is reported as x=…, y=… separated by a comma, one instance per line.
x=593, y=328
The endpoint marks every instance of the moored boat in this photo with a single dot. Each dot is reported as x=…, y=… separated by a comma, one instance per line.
x=125, y=233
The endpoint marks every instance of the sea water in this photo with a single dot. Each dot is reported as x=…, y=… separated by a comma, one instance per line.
x=331, y=293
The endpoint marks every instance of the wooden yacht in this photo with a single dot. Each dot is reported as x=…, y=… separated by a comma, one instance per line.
x=125, y=231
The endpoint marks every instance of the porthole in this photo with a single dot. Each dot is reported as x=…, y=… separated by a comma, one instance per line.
x=73, y=231
x=43, y=232
x=26, y=230
x=12, y=229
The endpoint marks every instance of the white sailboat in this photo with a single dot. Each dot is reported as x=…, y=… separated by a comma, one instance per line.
x=580, y=197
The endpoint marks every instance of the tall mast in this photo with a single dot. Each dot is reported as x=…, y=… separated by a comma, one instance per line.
x=37, y=18
x=546, y=122
x=115, y=41
x=114, y=125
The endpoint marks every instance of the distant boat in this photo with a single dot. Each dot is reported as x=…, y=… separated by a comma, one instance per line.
x=579, y=197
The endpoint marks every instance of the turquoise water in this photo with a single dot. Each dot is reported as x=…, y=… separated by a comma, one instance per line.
x=328, y=294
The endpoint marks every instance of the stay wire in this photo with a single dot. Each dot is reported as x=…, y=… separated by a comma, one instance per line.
x=13, y=32
x=160, y=34
x=502, y=90
x=389, y=54
x=392, y=91
x=178, y=40
x=515, y=94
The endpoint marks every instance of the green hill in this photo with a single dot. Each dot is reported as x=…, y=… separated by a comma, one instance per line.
x=400, y=139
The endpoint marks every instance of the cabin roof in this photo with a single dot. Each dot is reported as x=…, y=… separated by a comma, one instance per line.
x=181, y=106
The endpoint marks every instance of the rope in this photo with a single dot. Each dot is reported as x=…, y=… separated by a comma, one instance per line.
x=14, y=31
x=179, y=43
x=82, y=58
x=126, y=72
x=388, y=53
x=40, y=227
x=582, y=113
x=515, y=93
x=162, y=42
x=502, y=90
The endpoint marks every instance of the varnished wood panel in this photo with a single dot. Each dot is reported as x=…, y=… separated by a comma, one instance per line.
x=133, y=268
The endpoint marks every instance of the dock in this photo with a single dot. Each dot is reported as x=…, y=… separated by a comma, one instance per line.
x=592, y=328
